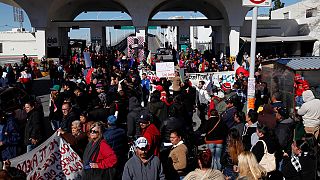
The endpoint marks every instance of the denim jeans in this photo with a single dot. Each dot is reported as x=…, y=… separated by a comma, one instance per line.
x=216, y=151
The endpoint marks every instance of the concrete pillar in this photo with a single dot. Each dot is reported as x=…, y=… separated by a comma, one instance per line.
x=221, y=39
x=183, y=35
x=234, y=37
x=41, y=43
x=63, y=40
x=52, y=45
x=98, y=37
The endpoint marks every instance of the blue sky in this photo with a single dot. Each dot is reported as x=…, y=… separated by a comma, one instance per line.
x=7, y=23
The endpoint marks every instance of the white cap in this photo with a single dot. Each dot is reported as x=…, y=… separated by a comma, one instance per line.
x=141, y=142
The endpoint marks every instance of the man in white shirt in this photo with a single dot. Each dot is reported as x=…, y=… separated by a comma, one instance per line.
x=202, y=100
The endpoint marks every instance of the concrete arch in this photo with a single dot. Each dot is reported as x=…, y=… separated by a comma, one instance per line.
x=68, y=11
x=211, y=11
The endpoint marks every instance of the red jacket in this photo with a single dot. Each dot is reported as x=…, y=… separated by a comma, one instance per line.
x=106, y=157
x=152, y=134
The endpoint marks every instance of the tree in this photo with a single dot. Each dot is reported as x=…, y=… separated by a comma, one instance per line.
x=277, y=4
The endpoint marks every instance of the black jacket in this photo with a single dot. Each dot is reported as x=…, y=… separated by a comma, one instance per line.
x=219, y=133
x=258, y=149
x=284, y=133
x=33, y=127
x=133, y=117
x=67, y=121
x=308, y=168
x=159, y=112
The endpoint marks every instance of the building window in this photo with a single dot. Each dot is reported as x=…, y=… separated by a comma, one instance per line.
x=1, y=50
x=286, y=15
x=311, y=12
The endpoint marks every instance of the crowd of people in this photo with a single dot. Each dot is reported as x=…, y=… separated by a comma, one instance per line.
x=126, y=126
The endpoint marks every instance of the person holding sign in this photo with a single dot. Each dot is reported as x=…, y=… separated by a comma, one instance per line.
x=99, y=159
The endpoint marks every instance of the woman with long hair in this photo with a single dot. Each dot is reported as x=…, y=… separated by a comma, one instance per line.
x=230, y=156
x=99, y=159
x=249, y=168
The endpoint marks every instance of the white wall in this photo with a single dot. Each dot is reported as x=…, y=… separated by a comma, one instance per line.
x=310, y=25
x=18, y=48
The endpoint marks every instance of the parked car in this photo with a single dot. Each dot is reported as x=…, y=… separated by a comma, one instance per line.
x=164, y=54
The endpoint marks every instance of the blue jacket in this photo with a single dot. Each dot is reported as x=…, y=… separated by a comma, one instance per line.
x=145, y=83
x=11, y=139
x=116, y=138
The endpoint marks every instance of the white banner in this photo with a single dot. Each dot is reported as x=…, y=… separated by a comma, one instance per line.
x=216, y=78
x=259, y=3
x=53, y=159
x=165, y=69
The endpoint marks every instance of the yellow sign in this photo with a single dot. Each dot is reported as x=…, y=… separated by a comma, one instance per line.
x=251, y=103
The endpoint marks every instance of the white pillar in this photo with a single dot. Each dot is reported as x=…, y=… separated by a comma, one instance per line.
x=234, y=37
x=41, y=43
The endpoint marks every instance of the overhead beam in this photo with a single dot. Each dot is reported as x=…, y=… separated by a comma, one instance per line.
x=176, y=22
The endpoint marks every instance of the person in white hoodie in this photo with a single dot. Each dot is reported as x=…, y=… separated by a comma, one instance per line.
x=310, y=112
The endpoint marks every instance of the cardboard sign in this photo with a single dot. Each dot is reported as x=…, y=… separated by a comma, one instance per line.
x=165, y=69
x=53, y=159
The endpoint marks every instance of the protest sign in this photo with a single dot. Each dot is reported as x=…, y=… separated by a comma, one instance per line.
x=53, y=159
x=215, y=78
x=165, y=69
x=87, y=59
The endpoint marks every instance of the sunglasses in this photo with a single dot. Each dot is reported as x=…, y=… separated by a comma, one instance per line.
x=94, y=131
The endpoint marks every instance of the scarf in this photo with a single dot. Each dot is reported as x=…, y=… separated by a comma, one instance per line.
x=92, y=148
x=295, y=161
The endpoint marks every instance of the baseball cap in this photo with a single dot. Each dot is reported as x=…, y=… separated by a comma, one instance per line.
x=112, y=120
x=55, y=88
x=144, y=118
x=226, y=86
x=141, y=142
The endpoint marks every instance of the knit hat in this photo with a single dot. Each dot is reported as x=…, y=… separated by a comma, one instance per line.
x=112, y=120
x=141, y=142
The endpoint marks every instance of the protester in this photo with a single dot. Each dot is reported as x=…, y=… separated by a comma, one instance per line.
x=239, y=117
x=215, y=131
x=249, y=136
x=150, y=132
x=10, y=136
x=203, y=99
x=227, y=115
x=33, y=132
x=205, y=171
x=177, y=159
x=99, y=159
x=117, y=139
x=230, y=155
x=310, y=113
x=142, y=165
x=133, y=128
x=55, y=106
x=85, y=122
x=264, y=150
x=249, y=168
x=301, y=164
x=68, y=117
x=77, y=138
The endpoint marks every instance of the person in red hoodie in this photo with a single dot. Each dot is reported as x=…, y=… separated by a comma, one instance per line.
x=99, y=159
x=151, y=133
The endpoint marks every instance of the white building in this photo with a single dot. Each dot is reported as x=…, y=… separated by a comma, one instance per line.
x=15, y=43
x=307, y=15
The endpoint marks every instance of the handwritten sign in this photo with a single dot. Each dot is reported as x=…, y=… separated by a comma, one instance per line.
x=165, y=69
x=215, y=78
x=53, y=159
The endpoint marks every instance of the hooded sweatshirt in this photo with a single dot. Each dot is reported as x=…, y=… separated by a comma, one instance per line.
x=310, y=110
x=135, y=169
